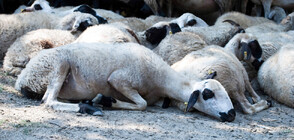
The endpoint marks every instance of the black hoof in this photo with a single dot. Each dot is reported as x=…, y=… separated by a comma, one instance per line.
x=86, y=108
x=103, y=100
x=166, y=103
x=269, y=103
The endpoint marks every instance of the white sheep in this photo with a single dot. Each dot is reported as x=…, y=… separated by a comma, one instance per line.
x=276, y=75
x=243, y=20
x=229, y=70
x=16, y=25
x=129, y=73
x=108, y=33
x=28, y=46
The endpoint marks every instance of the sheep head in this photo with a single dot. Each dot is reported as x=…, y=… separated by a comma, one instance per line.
x=39, y=5
x=246, y=47
x=211, y=98
x=159, y=31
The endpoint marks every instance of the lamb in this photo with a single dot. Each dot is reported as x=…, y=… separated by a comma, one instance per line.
x=136, y=78
x=16, y=25
x=108, y=33
x=230, y=72
x=275, y=75
x=28, y=45
x=243, y=20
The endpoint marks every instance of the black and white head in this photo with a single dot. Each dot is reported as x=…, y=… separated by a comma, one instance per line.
x=159, y=31
x=77, y=22
x=210, y=97
x=246, y=48
x=39, y=5
x=87, y=9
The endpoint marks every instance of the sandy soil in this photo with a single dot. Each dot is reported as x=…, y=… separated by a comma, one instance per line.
x=22, y=118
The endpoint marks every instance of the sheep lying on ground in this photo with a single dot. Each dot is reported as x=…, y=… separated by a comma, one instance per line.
x=16, y=25
x=135, y=78
x=230, y=72
x=276, y=75
x=108, y=33
x=28, y=45
x=285, y=25
x=175, y=47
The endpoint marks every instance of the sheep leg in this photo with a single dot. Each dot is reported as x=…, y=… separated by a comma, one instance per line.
x=122, y=84
x=249, y=88
x=249, y=108
x=267, y=7
x=53, y=89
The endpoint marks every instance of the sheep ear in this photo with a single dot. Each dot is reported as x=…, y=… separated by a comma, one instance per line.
x=245, y=51
x=255, y=48
x=192, y=100
x=155, y=35
x=87, y=9
x=175, y=28
x=192, y=22
x=211, y=75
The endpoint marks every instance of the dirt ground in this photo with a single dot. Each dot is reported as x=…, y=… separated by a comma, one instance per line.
x=22, y=118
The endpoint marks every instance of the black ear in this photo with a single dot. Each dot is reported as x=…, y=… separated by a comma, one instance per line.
x=175, y=28
x=192, y=22
x=155, y=35
x=245, y=51
x=256, y=50
x=192, y=100
x=38, y=7
x=207, y=94
x=83, y=26
x=211, y=75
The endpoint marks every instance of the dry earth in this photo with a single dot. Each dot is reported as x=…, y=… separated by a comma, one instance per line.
x=22, y=118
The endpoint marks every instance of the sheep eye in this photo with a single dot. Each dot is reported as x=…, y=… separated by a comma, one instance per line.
x=207, y=94
x=38, y=7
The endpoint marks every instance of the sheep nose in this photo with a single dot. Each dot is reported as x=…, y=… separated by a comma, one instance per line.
x=230, y=116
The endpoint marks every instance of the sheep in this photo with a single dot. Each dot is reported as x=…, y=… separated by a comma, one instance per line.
x=243, y=20
x=270, y=43
x=28, y=45
x=16, y=25
x=43, y=5
x=153, y=35
x=136, y=78
x=108, y=33
x=285, y=25
x=230, y=72
x=173, y=48
x=275, y=76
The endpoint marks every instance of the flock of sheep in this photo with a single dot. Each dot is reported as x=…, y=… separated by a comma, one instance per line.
x=69, y=54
